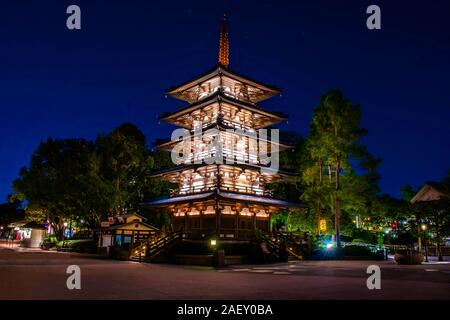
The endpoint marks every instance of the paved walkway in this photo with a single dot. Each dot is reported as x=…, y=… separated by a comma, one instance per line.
x=42, y=275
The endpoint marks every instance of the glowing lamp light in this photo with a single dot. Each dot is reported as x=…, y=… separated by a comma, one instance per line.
x=424, y=227
x=65, y=224
x=213, y=242
x=329, y=245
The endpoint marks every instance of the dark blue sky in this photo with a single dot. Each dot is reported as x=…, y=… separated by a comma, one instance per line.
x=61, y=83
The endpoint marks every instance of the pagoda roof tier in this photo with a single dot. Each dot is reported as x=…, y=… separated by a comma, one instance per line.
x=221, y=100
x=277, y=174
x=223, y=196
x=222, y=77
x=168, y=144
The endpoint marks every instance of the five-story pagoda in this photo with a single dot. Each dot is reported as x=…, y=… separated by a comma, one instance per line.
x=222, y=174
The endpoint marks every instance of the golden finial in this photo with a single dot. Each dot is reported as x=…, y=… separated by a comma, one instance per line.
x=224, y=53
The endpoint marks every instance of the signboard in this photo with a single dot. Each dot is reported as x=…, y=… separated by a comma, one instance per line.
x=104, y=224
x=323, y=225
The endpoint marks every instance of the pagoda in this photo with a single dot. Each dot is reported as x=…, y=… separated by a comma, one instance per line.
x=227, y=199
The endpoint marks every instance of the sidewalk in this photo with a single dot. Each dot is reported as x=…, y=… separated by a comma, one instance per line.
x=434, y=260
x=9, y=244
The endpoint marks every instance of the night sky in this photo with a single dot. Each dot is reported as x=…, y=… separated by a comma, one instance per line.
x=61, y=83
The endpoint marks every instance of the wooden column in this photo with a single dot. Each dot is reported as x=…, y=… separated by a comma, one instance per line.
x=237, y=225
x=217, y=218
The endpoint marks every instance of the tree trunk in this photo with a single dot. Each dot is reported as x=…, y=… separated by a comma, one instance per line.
x=337, y=206
x=438, y=239
x=419, y=238
x=318, y=195
x=318, y=216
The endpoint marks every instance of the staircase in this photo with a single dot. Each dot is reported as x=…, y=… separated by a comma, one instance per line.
x=149, y=248
x=272, y=247
x=283, y=248
x=293, y=247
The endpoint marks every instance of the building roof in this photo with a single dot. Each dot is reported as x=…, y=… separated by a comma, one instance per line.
x=220, y=195
x=431, y=191
x=134, y=214
x=119, y=226
x=219, y=96
x=165, y=143
x=219, y=71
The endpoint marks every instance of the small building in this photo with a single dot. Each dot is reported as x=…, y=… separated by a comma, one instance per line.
x=431, y=191
x=122, y=232
x=30, y=234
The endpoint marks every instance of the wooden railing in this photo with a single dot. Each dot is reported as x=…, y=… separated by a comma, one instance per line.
x=152, y=246
x=293, y=245
x=222, y=187
x=273, y=246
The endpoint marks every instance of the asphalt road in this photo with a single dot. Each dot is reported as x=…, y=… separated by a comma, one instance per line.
x=42, y=275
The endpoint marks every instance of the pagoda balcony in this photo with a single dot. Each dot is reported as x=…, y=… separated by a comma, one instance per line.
x=223, y=187
x=242, y=158
x=247, y=127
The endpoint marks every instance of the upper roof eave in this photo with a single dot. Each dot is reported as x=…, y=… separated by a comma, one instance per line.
x=219, y=95
x=216, y=70
x=226, y=196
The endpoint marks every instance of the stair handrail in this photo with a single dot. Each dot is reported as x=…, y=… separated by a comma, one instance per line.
x=163, y=242
x=273, y=246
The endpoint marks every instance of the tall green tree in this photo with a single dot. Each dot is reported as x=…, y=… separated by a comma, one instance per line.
x=74, y=178
x=11, y=210
x=54, y=181
x=122, y=165
x=334, y=141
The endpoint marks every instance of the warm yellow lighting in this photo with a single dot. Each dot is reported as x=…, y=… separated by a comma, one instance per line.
x=209, y=210
x=193, y=212
x=213, y=242
x=424, y=227
x=179, y=213
x=227, y=210
x=262, y=214
x=245, y=212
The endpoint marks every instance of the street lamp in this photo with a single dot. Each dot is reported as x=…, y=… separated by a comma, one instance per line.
x=424, y=228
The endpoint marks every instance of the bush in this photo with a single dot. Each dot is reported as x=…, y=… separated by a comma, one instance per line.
x=80, y=245
x=408, y=257
x=353, y=251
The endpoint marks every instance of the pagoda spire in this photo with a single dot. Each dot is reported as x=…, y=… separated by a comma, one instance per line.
x=224, y=53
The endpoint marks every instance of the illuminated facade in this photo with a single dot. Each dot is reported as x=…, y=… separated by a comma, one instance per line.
x=226, y=198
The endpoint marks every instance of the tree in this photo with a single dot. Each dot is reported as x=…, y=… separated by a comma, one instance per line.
x=11, y=210
x=120, y=157
x=74, y=178
x=54, y=182
x=333, y=142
